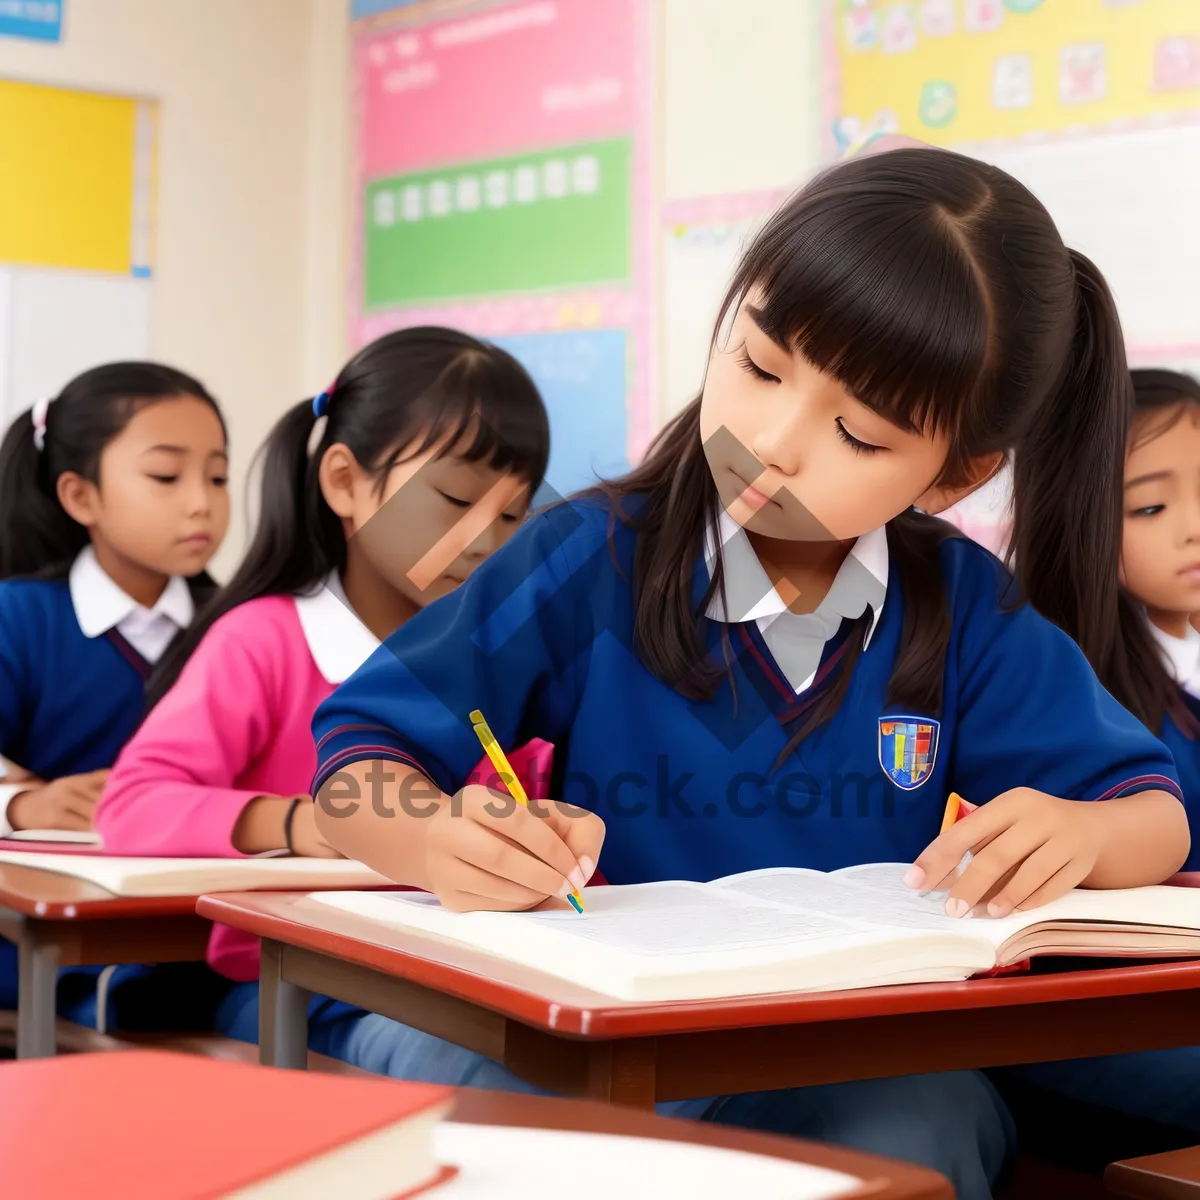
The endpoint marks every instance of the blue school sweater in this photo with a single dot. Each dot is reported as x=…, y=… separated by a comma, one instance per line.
x=68, y=703
x=541, y=640
x=1185, y=749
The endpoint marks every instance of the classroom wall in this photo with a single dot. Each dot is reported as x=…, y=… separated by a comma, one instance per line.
x=249, y=282
x=739, y=90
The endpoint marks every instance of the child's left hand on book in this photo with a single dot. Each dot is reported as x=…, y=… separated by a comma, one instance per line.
x=1027, y=849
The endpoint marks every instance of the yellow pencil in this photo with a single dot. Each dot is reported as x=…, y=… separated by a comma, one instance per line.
x=951, y=814
x=508, y=776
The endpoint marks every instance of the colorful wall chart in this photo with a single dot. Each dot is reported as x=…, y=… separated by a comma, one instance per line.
x=79, y=175
x=966, y=71
x=504, y=176
x=1084, y=101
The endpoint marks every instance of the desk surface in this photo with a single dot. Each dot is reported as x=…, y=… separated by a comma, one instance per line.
x=883, y=1179
x=567, y=1010
x=54, y=897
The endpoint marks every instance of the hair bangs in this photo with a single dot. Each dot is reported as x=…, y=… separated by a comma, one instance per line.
x=885, y=301
x=485, y=410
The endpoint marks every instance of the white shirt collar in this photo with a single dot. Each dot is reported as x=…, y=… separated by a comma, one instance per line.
x=861, y=581
x=1182, y=655
x=100, y=605
x=338, y=641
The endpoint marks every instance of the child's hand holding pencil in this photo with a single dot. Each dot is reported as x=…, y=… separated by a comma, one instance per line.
x=497, y=850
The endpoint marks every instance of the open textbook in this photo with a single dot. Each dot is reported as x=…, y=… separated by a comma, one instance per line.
x=791, y=930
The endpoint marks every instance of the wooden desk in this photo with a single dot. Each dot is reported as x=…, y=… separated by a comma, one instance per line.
x=1171, y=1176
x=57, y=921
x=578, y=1042
x=882, y=1178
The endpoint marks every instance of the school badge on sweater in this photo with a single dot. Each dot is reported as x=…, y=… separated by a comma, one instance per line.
x=908, y=749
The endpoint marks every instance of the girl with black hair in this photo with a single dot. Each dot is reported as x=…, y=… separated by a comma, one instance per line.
x=1160, y=571
x=114, y=499
x=378, y=497
x=759, y=649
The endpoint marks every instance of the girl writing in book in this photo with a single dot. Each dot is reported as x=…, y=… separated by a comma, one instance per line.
x=114, y=501
x=754, y=651
x=380, y=495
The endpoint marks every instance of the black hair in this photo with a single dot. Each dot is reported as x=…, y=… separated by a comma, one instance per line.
x=937, y=290
x=1145, y=686
x=429, y=383
x=37, y=537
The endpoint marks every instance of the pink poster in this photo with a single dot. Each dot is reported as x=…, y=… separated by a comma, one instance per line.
x=529, y=75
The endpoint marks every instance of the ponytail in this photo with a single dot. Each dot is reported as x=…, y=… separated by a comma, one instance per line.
x=1068, y=478
x=36, y=535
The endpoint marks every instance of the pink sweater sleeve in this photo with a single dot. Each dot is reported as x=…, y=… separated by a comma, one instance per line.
x=173, y=790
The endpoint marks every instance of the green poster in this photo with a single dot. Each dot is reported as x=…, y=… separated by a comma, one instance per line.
x=547, y=219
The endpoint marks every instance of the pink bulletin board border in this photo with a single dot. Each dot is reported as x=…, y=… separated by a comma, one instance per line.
x=717, y=210
x=550, y=312
x=630, y=307
x=831, y=80
x=1148, y=354
x=647, y=69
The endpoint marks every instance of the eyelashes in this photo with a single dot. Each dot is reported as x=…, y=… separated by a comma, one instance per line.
x=752, y=368
x=853, y=442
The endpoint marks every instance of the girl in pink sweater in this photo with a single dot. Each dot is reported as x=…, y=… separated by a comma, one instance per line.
x=379, y=496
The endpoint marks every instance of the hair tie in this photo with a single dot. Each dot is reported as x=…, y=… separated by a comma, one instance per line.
x=321, y=401
x=38, y=414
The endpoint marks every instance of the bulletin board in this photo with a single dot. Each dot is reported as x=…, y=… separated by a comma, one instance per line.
x=954, y=72
x=77, y=213
x=504, y=184
x=79, y=175
x=1093, y=104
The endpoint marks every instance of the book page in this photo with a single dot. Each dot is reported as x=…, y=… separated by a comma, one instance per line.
x=648, y=920
x=1157, y=906
x=875, y=894
x=658, y=919
x=495, y=1162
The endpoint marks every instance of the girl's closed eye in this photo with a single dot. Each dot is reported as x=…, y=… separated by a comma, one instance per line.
x=1149, y=510
x=856, y=444
x=454, y=500
x=165, y=478
x=749, y=365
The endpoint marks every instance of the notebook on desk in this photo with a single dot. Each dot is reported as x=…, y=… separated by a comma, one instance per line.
x=146, y=1125
x=790, y=930
x=194, y=876
x=54, y=837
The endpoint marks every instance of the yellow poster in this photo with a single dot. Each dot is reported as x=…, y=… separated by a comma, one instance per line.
x=78, y=172
x=955, y=72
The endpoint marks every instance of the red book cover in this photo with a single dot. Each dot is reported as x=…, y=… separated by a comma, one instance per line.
x=144, y=1125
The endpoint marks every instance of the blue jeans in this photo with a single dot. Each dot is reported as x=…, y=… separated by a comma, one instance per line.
x=1156, y=1085
x=330, y=1022
x=955, y=1122
x=76, y=992
x=138, y=998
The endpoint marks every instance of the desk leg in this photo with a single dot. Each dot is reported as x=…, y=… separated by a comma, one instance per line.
x=282, y=1014
x=36, y=1012
x=622, y=1072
